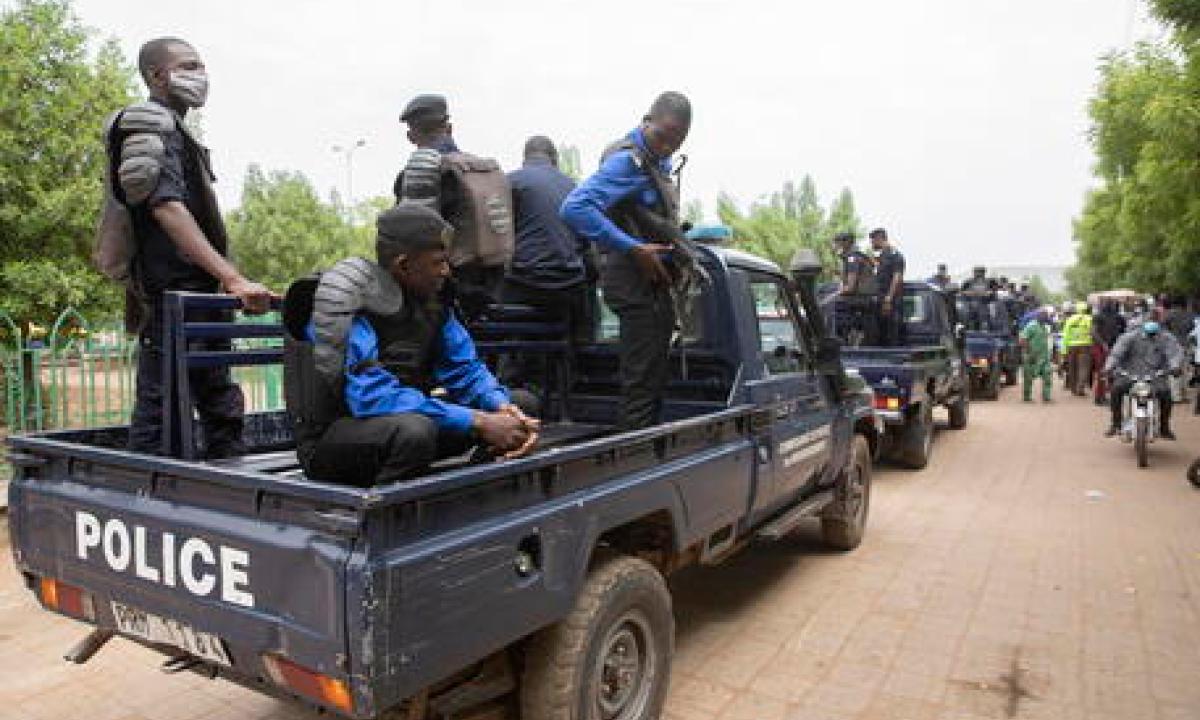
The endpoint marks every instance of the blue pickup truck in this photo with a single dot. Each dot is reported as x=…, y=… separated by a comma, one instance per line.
x=925, y=370
x=531, y=586
x=986, y=356
x=993, y=353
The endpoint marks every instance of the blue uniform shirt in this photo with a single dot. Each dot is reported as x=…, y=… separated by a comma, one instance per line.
x=373, y=391
x=619, y=177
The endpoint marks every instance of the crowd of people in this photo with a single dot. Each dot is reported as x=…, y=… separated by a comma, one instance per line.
x=393, y=380
x=1095, y=350
x=1100, y=350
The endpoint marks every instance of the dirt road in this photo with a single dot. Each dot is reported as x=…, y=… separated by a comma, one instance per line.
x=1032, y=571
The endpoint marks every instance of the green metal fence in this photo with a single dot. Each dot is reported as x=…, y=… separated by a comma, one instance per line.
x=77, y=373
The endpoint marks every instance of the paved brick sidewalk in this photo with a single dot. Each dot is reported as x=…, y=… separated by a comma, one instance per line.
x=990, y=586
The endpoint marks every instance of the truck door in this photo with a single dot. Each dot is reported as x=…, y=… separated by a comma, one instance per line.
x=942, y=322
x=801, y=413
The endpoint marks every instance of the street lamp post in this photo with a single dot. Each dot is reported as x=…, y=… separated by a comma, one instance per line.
x=348, y=153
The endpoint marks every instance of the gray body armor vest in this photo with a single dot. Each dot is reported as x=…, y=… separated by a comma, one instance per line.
x=314, y=372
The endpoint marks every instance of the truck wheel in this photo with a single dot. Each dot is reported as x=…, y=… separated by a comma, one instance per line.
x=917, y=442
x=991, y=385
x=1193, y=473
x=960, y=412
x=610, y=659
x=843, y=526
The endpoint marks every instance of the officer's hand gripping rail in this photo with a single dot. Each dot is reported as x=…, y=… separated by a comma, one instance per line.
x=191, y=344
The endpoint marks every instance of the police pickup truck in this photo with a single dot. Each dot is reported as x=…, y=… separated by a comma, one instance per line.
x=531, y=586
x=909, y=380
x=987, y=357
x=993, y=353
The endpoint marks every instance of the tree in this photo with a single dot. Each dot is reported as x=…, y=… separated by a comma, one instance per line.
x=569, y=163
x=54, y=98
x=693, y=212
x=786, y=221
x=1141, y=227
x=283, y=231
x=1183, y=15
x=842, y=216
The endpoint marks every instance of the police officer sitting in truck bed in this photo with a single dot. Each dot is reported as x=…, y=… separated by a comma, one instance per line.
x=369, y=343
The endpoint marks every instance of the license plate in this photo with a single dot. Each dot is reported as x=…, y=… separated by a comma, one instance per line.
x=165, y=631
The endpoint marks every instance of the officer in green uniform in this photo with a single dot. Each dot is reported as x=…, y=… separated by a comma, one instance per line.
x=1035, y=342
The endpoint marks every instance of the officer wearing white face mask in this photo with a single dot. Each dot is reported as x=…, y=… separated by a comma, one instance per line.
x=161, y=175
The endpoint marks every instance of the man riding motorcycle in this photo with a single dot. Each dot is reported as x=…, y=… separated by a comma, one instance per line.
x=1145, y=351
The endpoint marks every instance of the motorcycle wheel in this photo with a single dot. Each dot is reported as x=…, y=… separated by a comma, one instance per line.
x=1193, y=473
x=1141, y=442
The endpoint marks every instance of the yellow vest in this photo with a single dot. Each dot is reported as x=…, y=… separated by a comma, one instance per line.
x=1077, y=330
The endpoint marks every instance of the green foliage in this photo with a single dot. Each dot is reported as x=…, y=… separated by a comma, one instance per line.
x=789, y=220
x=54, y=98
x=53, y=103
x=283, y=231
x=1141, y=227
x=569, y=163
x=1184, y=15
x=37, y=291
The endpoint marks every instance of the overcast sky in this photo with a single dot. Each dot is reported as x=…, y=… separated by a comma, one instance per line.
x=959, y=124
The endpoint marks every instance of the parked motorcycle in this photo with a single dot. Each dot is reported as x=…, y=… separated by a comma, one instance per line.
x=1140, y=414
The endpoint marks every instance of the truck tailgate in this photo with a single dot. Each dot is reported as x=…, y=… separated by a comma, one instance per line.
x=262, y=571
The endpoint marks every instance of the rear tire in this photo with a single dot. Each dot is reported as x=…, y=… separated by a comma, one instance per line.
x=611, y=656
x=960, y=412
x=1141, y=442
x=991, y=385
x=916, y=444
x=844, y=523
x=1193, y=473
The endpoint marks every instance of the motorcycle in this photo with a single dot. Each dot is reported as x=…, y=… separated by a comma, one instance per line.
x=1140, y=414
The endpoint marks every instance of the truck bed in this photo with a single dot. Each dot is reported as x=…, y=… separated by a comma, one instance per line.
x=283, y=463
x=327, y=567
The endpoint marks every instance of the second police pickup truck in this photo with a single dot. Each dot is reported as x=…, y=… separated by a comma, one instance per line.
x=909, y=380
x=992, y=350
x=531, y=586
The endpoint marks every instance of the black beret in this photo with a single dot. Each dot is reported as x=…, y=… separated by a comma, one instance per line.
x=412, y=228
x=424, y=109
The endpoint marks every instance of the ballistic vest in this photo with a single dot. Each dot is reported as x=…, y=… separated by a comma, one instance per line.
x=408, y=335
x=659, y=223
x=409, y=342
